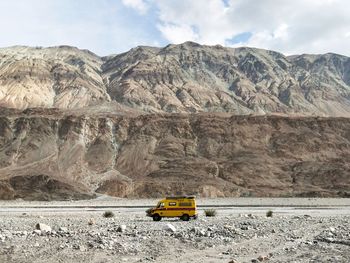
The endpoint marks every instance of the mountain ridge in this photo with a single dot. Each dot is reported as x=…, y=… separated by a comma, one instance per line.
x=188, y=77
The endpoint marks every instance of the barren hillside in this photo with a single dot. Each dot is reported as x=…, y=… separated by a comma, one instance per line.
x=60, y=156
x=182, y=119
x=183, y=78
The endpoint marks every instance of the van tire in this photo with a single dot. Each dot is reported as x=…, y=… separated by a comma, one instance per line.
x=156, y=217
x=185, y=217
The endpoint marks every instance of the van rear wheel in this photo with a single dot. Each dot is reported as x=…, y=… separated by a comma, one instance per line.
x=185, y=217
x=157, y=217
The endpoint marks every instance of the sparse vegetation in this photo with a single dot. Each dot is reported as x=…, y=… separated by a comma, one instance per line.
x=108, y=214
x=269, y=213
x=148, y=211
x=210, y=212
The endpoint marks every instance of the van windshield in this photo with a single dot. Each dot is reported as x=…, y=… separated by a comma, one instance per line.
x=160, y=204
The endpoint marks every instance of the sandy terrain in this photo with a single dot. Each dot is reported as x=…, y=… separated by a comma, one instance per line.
x=301, y=230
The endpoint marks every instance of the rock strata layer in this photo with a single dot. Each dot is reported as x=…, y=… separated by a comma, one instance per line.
x=211, y=155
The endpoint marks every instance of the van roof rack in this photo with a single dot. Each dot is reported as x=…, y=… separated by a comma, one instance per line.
x=180, y=197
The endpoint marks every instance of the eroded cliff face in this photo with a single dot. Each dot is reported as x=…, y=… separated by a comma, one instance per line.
x=75, y=156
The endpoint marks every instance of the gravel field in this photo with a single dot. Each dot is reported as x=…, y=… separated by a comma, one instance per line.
x=320, y=233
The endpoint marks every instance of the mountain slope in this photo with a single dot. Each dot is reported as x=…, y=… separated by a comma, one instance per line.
x=183, y=119
x=61, y=77
x=70, y=156
x=177, y=78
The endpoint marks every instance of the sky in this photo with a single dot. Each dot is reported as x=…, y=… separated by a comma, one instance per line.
x=114, y=26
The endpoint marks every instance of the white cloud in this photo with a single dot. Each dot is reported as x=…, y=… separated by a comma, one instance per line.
x=298, y=26
x=111, y=26
x=204, y=18
x=139, y=5
x=177, y=34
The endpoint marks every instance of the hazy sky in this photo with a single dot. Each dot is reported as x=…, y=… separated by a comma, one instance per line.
x=114, y=26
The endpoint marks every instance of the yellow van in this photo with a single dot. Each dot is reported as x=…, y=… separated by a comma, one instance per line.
x=183, y=207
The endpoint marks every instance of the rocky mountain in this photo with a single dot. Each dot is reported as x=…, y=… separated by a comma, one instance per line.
x=62, y=77
x=56, y=156
x=183, y=119
x=183, y=78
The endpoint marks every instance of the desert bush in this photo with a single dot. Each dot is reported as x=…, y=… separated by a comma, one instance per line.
x=210, y=212
x=269, y=213
x=148, y=211
x=108, y=214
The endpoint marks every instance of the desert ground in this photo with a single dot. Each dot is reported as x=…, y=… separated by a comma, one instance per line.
x=300, y=230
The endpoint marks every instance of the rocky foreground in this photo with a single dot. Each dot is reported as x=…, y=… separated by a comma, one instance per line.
x=132, y=237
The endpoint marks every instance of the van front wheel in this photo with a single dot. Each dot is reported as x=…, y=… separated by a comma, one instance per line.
x=157, y=217
x=185, y=217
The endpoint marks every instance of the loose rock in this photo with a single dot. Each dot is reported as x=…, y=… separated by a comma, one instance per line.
x=170, y=228
x=121, y=228
x=43, y=227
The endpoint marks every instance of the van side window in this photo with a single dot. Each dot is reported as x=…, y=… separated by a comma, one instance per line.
x=160, y=205
x=172, y=203
x=185, y=204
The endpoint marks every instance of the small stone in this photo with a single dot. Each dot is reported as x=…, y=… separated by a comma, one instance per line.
x=263, y=258
x=63, y=229
x=330, y=239
x=43, y=227
x=201, y=233
x=170, y=228
x=91, y=222
x=75, y=246
x=330, y=234
x=121, y=228
x=37, y=232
